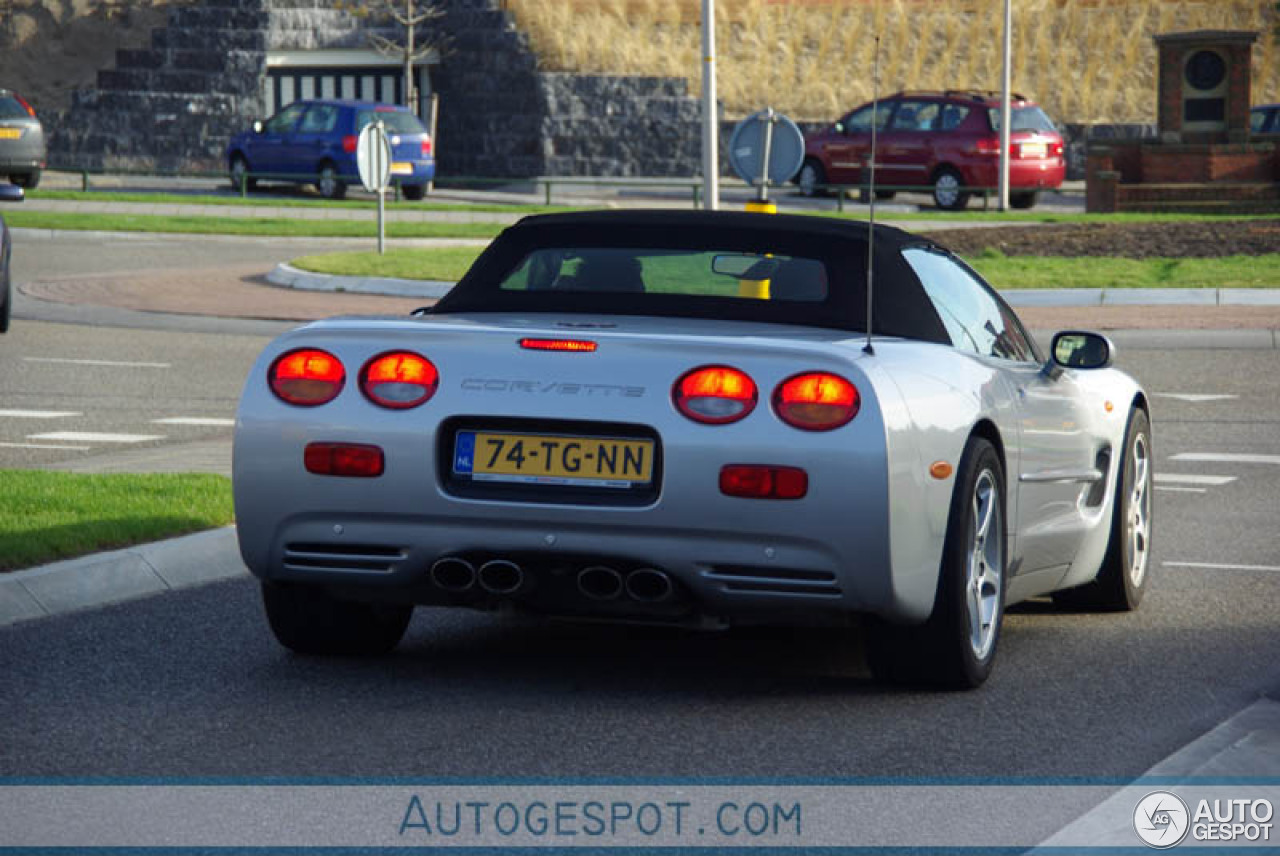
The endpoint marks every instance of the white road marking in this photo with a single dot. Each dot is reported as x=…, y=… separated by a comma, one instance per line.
x=96, y=363
x=1226, y=458
x=1193, y=397
x=1172, y=489
x=193, y=420
x=43, y=446
x=1177, y=478
x=1215, y=567
x=38, y=414
x=91, y=437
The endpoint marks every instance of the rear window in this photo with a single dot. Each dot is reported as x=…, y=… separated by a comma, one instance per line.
x=10, y=108
x=395, y=121
x=629, y=270
x=1024, y=119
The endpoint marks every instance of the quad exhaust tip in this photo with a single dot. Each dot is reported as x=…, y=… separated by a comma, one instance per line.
x=453, y=574
x=648, y=585
x=600, y=583
x=498, y=576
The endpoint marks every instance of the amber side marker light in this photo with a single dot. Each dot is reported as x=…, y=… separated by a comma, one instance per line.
x=941, y=470
x=354, y=460
x=307, y=377
x=575, y=346
x=399, y=380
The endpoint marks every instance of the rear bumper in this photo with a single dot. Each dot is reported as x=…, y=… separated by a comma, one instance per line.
x=1043, y=174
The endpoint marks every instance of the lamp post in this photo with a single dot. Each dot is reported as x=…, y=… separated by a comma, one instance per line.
x=710, y=119
x=1006, y=111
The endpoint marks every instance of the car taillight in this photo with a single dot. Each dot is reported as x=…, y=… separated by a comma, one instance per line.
x=1055, y=149
x=582, y=346
x=758, y=481
x=307, y=377
x=426, y=147
x=399, y=380
x=816, y=401
x=25, y=106
x=354, y=460
x=987, y=146
x=715, y=395
x=349, y=143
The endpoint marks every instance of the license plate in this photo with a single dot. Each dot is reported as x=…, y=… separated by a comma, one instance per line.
x=401, y=168
x=553, y=459
x=10, y=133
x=1033, y=150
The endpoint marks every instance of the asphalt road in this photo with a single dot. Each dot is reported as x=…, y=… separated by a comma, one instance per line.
x=192, y=684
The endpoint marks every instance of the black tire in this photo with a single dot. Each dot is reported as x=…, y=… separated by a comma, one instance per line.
x=956, y=647
x=413, y=192
x=886, y=194
x=1024, y=200
x=1122, y=578
x=6, y=300
x=328, y=183
x=309, y=620
x=27, y=180
x=240, y=166
x=947, y=194
x=810, y=178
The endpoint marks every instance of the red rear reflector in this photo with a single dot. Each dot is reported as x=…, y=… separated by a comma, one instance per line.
x=354, y=460
x=755, y=481
x=306, y=377
x=349, y=143
x=426, y=147
x=576, y=345
x=399, y=380
x=816, y=401
x=714, y=395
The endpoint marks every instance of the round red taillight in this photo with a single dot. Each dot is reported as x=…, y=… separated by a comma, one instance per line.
x=715, y=395
x=399, y=380
x=816, y=401
x=307, y=377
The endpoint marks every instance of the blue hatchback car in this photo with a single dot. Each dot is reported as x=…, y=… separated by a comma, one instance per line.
x=314, y=142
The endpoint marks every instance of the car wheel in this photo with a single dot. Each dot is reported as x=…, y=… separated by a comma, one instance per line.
x=27, y=180
x=1122, y=579
x=413, y=192
x=1024, y=200
x=328, y=183
x=886, y=194
x=956, y=647
x=240, y=175
x=947, y=192
x=309, y=620
x=811, y=178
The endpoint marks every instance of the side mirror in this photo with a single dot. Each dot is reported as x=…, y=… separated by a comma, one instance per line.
x=11, y=193
x=1076, y=349
x=257, y=126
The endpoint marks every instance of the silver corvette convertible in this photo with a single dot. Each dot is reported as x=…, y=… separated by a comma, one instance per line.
x=688, y=418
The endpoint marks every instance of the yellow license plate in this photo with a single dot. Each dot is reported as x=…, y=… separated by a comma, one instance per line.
x=401, y=168
x=1033, y=150
x=553, y=459
x=10, y=133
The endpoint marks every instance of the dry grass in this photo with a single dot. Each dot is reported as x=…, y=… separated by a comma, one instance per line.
x=1084, y=60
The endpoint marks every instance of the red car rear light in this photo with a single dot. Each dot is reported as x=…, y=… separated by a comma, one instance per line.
x=987, y=146
x=816, y=401
x=573, y=345
x=399, y=380
x=1055, y=149
x=306, y=377
x=349, y=143
x=756, y=481
x=354, y=460
x=25, y=106
x=715, y=395
x=426, y=147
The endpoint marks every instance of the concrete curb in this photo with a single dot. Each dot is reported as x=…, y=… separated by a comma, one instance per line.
x=288, y=276
x=121, y=575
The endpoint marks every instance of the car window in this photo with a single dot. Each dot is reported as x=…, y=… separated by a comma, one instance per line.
x=1024, y=119
x=953, y=116
x=320, y=119
x=860, y=120
x=974, y=318
x=914, y=116
x=284, y=121
x=11, y=109
x=395, y=121
x=731, y=274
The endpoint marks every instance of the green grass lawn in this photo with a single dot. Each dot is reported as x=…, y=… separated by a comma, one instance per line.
x=243, y=226
x=46, y=516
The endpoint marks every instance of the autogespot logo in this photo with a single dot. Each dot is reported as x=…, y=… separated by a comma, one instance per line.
x=1161, y=819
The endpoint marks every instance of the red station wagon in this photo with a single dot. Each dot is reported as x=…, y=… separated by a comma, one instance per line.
x=948, y=141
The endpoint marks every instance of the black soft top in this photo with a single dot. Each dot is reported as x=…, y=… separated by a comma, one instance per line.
x=901, y=307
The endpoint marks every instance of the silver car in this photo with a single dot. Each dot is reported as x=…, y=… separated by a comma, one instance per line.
x=683, y=418
x=22, y=146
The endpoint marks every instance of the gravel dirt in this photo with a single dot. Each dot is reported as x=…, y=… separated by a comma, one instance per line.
x=1122, y=240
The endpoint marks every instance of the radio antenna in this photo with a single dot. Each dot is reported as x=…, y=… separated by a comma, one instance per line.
x=871, y=189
